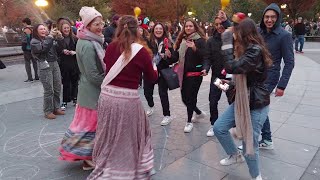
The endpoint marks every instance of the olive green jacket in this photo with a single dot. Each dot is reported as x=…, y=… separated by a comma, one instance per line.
x=91, y=74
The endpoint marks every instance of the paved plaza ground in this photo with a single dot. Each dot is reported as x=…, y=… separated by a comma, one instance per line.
x=29, y=142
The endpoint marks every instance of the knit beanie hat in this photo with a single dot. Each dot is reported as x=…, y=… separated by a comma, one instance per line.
x=238, y=17
x=87, y=14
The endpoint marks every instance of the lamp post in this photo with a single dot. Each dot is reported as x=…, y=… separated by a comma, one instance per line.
x=41, y=3
x=283, y=6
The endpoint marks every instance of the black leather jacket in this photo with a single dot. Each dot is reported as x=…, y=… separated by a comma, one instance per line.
x=252, y=64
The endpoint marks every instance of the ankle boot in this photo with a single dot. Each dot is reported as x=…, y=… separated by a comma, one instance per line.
x=50, y=116
x=59, y=112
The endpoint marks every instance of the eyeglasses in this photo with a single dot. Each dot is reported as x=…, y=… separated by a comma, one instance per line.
x=101, y=24
x=270, y=17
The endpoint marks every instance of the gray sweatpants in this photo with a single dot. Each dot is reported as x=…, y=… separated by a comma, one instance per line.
x=28, y=59
x=51, y=81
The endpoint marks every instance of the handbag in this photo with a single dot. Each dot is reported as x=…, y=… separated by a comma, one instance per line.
x=2, y=66
x=171, y=78
x=43, y=65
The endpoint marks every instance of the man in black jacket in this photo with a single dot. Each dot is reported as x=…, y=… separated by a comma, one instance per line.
x=26, y=48
x=110, y=30
x=214, y=60
x=300, y=31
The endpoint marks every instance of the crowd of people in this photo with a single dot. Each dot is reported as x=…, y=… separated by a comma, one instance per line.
x=101, y=69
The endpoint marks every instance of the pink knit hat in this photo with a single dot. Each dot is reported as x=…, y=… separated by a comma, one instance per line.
x=87, y=14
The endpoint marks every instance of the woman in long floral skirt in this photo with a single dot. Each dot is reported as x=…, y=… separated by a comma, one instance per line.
x=122, y=148
x=78, y=141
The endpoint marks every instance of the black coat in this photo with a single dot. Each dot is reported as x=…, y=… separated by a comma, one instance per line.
x=194, y=59
x=164, y=62
x=252, y=64
x=67, y=62
x=214, y=57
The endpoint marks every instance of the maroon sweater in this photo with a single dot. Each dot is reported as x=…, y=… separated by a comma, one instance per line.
x=130, y=76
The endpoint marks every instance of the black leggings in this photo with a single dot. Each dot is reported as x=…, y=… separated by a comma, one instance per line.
x=163, y=93
x=70, y=80
x=189, y=94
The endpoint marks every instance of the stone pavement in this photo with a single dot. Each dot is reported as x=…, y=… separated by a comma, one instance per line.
x=28, y=142
x=9, y=51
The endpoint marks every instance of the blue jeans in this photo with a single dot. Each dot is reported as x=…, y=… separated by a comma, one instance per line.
x=266, y=130
x=299, y=39
x=227, y=121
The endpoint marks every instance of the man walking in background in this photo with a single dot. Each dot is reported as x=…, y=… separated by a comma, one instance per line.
x=26, y=48
x=300, y=31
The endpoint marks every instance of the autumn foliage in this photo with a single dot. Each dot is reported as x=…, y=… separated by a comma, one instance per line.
x=294, y=7
x=160, y=10
x=13, y=11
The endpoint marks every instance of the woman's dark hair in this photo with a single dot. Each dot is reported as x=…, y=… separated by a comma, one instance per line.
x=27, y=21
x=145, y=34
x=49, y=24
x=35, y=33
x=126, y=34
x=183, y=34
x=246, y=33
x=215, y=28
x=153, y=37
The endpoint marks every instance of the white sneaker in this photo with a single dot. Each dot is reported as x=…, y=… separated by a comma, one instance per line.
x=63, y=106
x=150, y=111
x=152, y=172
x=232, y=159
x=188, y=127
x=210, y=133
x=257, y=178
x=166, y=120
x=197, y=117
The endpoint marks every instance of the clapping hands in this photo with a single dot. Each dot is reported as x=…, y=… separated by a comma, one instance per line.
x=67, y=52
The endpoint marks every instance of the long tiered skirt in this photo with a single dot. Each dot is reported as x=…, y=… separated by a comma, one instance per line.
x=77, y=143
x=122, y=148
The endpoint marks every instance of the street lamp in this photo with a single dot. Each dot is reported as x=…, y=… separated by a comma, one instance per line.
x=41, y=3
x=249, y=14
x=283, y=6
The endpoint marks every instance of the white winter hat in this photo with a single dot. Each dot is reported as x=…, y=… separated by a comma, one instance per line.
x=87, y=14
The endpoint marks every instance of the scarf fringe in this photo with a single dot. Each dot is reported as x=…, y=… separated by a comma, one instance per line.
x=243, y=128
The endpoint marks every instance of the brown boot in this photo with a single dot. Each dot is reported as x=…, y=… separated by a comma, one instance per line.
x=59, y=112
x=50, y=116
